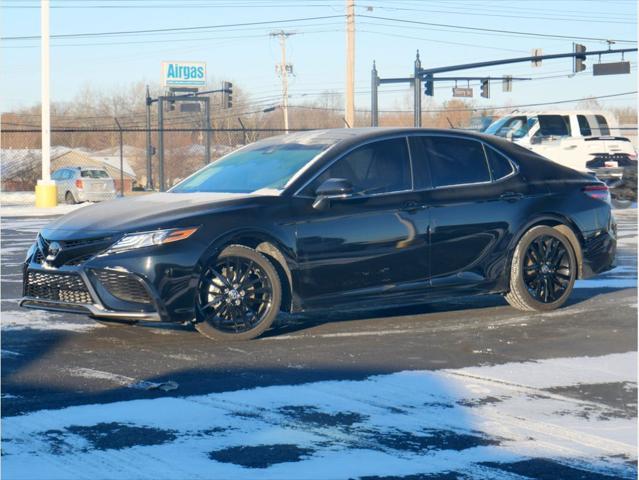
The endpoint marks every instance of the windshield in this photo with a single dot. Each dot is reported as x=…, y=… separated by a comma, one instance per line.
x=518, y=126
x=264, y=165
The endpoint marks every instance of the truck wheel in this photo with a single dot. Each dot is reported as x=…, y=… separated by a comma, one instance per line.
x=620, y=204
x=543, y=270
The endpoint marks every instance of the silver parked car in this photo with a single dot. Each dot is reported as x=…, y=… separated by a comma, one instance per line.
x=83, y=184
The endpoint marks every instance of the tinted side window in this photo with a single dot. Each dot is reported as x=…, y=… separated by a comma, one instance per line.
x=584, y=127
x=603, y=125
x=419, y=155
x=500, y=167
x=553, y=126
x=455, y=161
x=379, y=167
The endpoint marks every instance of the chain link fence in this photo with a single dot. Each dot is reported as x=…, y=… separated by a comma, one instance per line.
x=122, y=153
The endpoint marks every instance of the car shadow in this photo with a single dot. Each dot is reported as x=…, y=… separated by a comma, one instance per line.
x=291, y=323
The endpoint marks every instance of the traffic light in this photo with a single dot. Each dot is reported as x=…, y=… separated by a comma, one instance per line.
x=485, y=88
x=579, y=63
x=228, y=94
x=428, y=87
x=507, y=83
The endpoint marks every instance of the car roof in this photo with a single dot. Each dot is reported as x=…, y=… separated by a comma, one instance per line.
x=354, y=135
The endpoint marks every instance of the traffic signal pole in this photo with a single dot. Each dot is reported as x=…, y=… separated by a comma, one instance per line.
x=427, y=75
x=417, y=93
x=162, y=100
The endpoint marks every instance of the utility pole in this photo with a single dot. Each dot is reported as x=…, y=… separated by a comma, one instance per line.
x=117, y=122
x=350, y=64
x=284, y=69
x=417, y=93
x=45, y=193
x=149, y=148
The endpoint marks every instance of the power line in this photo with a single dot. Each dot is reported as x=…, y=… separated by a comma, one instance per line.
x=476, y=13
x=175, y=29
x=512, y=32
x=557, y=102
x=294, y=20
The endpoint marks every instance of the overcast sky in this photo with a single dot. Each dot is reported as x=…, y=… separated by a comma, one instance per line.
x=246, y=55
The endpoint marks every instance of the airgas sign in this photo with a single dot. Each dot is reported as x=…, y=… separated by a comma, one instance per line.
x=183, y=74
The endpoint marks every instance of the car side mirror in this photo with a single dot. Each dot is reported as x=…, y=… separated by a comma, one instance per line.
x=332, y=188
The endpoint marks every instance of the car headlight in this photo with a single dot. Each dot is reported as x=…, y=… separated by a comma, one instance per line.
x=150, y=239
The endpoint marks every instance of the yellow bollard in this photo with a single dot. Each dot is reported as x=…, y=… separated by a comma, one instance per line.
x=46, y=194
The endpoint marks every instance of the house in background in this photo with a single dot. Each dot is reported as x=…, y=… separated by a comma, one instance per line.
x=110, y=161
x=20, y=169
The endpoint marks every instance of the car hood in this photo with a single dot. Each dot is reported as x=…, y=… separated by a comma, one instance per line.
x=140, y=212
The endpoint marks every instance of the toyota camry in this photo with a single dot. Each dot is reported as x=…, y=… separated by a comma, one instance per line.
x=330, y=219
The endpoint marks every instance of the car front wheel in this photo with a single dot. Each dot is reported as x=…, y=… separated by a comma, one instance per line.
x=238, y=295
x=543, y=270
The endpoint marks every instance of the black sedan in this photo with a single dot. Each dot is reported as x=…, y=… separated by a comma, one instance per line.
x=330, y=219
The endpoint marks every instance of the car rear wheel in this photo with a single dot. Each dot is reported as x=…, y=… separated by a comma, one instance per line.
x=238, y=295
x=543, y=270
x=69, y=199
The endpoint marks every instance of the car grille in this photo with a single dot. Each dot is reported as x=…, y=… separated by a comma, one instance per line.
x=123, y=286
x=76, y=252
x=63, y=287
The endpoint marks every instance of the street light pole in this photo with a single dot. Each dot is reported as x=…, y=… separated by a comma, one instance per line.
x=46, y=195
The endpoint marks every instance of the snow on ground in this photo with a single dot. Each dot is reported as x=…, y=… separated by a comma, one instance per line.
x=24, y=225
x=480, y=421
x=17, y=198
x=32, y=211
x=43, y=320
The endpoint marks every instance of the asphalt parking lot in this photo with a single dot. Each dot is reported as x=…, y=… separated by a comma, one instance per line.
x=456, y=390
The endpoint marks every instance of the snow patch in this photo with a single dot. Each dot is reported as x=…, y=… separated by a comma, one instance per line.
x=32, y=211
x=407, y=423
x=43, y=320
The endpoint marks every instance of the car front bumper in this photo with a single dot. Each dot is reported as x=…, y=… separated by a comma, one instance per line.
x=154, y=283
x=78, y=290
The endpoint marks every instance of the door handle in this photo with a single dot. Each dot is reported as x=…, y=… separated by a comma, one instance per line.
x=411, y=206
x=570, y=147
x=511, y=196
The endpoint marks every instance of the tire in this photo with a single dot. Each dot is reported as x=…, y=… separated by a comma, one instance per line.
x=543, y=271
x=69, y=199
x=238, y=295
x=621, y=203
x=116, y=323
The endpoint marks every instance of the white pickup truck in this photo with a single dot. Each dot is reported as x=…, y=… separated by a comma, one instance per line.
x=583, y=140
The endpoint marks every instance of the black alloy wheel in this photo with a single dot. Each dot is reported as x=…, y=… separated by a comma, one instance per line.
x=543, y=270
x=238, y=296
x=547, y=269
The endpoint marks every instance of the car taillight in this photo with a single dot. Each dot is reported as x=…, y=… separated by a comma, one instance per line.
x=633, y=156
x=600, y=192
x=79, y=183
